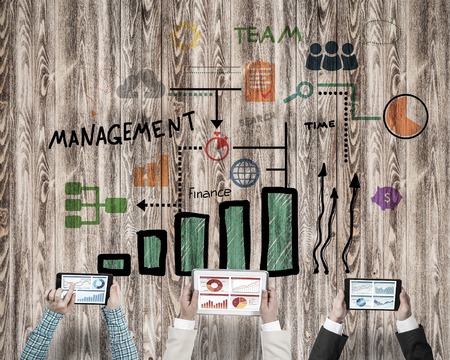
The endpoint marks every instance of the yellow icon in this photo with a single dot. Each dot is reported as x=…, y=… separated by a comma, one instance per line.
x=177, y=33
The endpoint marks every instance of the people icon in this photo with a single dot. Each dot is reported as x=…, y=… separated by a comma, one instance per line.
x=314, y=60
x=331, y=60
x=348, y=60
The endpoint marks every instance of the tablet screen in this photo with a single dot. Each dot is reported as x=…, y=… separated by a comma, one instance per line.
x=366, y=294
x=229, y=292
x=90, y=289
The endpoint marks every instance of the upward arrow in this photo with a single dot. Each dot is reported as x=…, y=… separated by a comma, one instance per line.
x=322, y=174
x=354, y=185
x=355, y=182
x=323, y=171
x=334, y=196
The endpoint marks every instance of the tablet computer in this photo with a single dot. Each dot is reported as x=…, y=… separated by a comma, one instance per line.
x=91, y=289
x=373, y=294
x=229, y=292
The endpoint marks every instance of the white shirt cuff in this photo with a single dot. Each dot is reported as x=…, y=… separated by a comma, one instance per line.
x=334, y=327
x=272, y=326
x=184, y=324
x=407, y=325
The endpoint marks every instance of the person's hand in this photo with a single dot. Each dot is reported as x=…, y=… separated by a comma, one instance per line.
x=56, y=304
x=269, y=306
x=188, y=303
x=339, y=310
x=115, y=295
x=404, y=310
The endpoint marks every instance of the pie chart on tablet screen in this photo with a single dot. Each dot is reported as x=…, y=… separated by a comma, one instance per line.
x=214, y=285
x=405, y=116
x=239, y=302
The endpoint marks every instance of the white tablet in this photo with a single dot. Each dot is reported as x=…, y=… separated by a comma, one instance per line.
x=229, y=292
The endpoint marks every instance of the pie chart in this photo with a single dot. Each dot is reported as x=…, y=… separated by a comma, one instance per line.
x=98, y=283
x=405, y=116
x=214, y=285
x=239, y=302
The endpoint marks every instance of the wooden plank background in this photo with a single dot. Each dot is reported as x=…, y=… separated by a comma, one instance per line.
x=60, y=60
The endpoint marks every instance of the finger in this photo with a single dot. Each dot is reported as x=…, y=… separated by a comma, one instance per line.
x=341, y=297
x=194, y=299
x=408, y=299
x=73, y=298
x=272, y=294
x=186, y=293
x=68, y=296
x=47, y=293
x=114, y=289
x=264, y=299
x=58, y=295
x=51, y=295
x=403, y=296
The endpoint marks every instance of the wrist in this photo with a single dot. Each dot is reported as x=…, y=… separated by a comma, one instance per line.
x=266, y=320
x=336, y=319
x=402, y=317
x=187, y=317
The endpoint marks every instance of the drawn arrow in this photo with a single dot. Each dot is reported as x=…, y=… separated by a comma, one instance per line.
x=334, y=196
x=142, y=205
x=355, y=186
x=322, y=174
x=217, y=122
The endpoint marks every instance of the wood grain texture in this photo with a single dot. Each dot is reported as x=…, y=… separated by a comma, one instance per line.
x=6, y=166
x=61, y=65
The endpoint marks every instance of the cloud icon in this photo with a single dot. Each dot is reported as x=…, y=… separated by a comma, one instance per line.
x=152, y=87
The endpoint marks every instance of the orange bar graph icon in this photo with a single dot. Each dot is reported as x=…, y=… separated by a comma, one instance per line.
x=157, y=174
x=220, y=305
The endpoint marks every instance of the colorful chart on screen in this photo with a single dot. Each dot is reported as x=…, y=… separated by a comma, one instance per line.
x=230, y=292
x=214, y=285
x=239, y=302
x=89, y=289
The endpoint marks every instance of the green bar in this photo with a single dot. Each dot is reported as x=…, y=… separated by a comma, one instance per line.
x=234, y=220
x=114, y=264
x=152, y=250
x=280, y=232
x=192, y=243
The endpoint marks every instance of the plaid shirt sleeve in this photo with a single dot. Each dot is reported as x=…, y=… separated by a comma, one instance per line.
x=40, y=338
x=120, y=339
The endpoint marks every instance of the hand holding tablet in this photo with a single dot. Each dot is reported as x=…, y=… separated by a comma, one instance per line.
x=373, y=294
x=90, y=289
x=229, y=292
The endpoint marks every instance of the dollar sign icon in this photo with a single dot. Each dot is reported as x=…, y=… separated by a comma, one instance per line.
x=387, y=197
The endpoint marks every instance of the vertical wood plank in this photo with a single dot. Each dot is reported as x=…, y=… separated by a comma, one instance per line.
x=43, y=88
x=131, y=110
x=6, y=173
x=23, y=204
x=151, y=59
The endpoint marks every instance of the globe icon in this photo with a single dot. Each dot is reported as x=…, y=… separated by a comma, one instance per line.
x=244, y=173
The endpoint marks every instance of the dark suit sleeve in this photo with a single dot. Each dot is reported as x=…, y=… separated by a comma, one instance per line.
x=328, y=345
x=414, y=345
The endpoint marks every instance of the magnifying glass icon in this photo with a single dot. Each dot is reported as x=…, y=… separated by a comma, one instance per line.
x=299, y=92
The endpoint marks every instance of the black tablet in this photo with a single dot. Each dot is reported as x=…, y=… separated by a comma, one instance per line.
x=373, y=294
x=91, y=289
